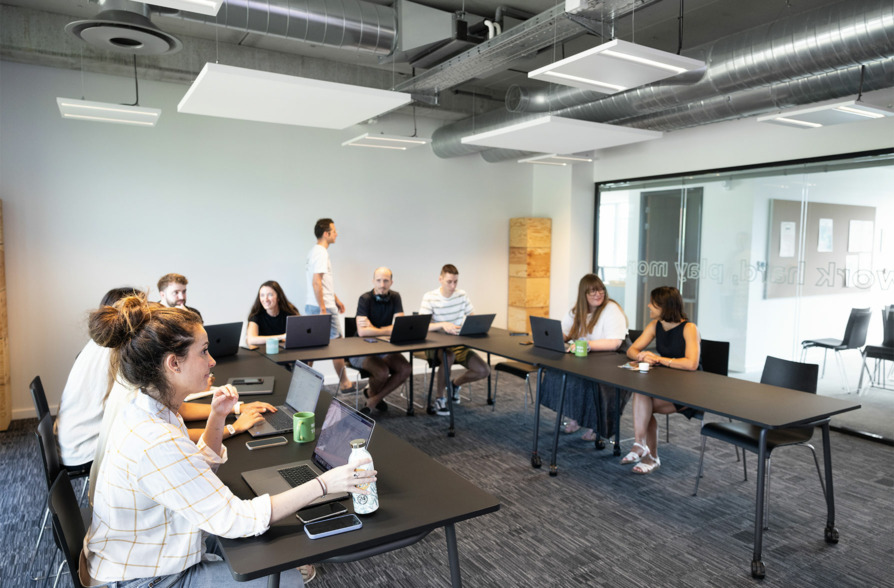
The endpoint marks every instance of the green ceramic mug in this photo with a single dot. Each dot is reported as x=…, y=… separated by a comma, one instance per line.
x=581, y=348
x=304, y=427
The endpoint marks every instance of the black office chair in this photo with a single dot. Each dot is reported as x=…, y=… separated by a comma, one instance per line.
x=69, y=526
x=854, y=338
x=715, y=359
x=777, y=372
x=41, y=407
x=520, y=370
x=883, y=352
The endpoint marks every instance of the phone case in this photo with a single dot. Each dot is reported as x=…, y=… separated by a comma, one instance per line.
x=332, y=526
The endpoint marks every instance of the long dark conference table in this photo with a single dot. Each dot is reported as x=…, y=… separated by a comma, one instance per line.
x=764, y=406
x=417, y=495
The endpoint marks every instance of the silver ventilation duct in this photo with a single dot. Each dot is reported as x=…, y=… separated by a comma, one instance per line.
x=803, y=53
x=350, y=24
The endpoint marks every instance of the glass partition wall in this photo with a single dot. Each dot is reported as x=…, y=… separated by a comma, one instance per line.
x=765, y=258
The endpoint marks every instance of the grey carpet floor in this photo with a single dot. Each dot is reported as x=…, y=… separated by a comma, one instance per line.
x=595, y=524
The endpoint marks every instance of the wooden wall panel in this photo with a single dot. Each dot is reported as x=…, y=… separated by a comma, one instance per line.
x=529, y=269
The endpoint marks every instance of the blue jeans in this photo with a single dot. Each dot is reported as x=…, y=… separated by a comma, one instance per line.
x=211, y=572
x=334, y=326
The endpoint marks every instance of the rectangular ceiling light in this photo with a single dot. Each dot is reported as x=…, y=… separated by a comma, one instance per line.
x=106, y=112
x=614, y=67
x=834, y=113
x=247, y=94
x=554, y=134
x=209, y=7
x=555, y=159
x=382, y=141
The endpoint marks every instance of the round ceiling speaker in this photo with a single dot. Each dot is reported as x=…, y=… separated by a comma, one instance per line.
x=124, y=32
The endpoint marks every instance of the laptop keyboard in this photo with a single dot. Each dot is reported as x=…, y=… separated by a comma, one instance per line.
x=297, y=475
x=279, y=420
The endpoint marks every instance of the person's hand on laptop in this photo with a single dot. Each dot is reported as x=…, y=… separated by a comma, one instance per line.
x=450, y=328
x=251, y=415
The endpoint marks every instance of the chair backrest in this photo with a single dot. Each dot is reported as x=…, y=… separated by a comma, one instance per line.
x=857, y=326
x=634, y=334
x=46, y=440
x=41, y=407
x=888, y=325
x=350, y=326
x=790, y=374
x=68, y=524
x=715, y=357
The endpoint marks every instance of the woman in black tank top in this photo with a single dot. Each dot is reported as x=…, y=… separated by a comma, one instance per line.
x=678, y=344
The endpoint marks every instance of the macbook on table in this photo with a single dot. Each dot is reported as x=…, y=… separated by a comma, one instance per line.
x=309, y=330
x=476, y=324
x=304, y=392
x=547, y=333
x=409, y=329
x=342, y=425
x=223, y=339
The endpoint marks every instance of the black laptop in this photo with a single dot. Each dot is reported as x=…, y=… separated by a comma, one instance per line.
x=476, y=324
x=547, y=334
x=309, y=330
x=342, y=425
x=223, y=339
x=410, y=328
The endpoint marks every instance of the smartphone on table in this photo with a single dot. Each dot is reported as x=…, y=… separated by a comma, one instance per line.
x=323, y=511
x=332, y=526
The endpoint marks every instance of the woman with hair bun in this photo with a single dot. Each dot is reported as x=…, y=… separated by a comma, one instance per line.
x=157, y=493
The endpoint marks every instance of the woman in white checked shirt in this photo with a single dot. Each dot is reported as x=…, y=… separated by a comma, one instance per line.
x=157, y=496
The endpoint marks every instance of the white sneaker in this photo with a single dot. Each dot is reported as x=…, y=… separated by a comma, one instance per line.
x=457, y=399
x=441, y=408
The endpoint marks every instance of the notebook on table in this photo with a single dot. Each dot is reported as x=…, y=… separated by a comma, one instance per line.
x=309, y=330
x=547, y=334
x=409, y=329
x=342, y=425
x=304, y=392
x=223, y=339
x=476, y=324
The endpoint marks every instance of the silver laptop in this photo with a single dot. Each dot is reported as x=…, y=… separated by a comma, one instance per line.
x=223, y=339
x=304, y=392
x=476, y=324
x=309, y=330
x=342, y=425
x=547, y=334
x=409, y=328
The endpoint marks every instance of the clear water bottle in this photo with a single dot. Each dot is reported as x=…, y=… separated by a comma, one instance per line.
x=363, y=503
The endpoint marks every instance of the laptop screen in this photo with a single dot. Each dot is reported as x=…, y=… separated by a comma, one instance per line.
x=304, y=389
x=343, y=424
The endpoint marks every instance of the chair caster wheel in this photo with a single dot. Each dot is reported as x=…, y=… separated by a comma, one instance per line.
x=617, y=450
x=553, y=471
x=535, y=461
x=831, y=535
x=451, y=433
x=757, y=569
x=600, y=444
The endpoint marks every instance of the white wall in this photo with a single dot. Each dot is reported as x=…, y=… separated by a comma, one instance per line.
x=229, y=204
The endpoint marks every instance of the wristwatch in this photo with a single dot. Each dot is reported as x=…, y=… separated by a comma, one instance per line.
x=231, y=430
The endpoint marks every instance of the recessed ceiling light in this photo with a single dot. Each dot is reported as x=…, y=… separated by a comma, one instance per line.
x=382, y=141
x=831, y=113
x=140, y=116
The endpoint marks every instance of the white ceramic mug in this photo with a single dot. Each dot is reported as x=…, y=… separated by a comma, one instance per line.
x=644, y=366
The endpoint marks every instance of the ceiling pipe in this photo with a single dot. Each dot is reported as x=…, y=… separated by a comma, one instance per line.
x=814, y=43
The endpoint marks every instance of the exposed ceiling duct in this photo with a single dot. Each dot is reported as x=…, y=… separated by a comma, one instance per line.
x=811, y=57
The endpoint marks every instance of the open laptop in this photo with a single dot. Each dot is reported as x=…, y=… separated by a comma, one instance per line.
x=309, y=330
x=304, y=392
x=223, y=339
x=547, y=333
x=476, y=324
x=409, y=329
x=342, y=425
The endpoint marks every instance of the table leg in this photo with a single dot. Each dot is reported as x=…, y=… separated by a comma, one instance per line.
x=450, y=430
x=617, y=450
x=757, y=566
x=831, y=533
x=453, y=556
x=553, y=468
x=411, y=407
x=273, y=581
x=535, y=457
x=490, y=399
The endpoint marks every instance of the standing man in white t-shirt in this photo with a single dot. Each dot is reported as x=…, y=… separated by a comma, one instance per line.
x=321, y=298
x=449, y=308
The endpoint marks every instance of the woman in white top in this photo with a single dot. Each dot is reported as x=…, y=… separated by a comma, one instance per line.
x=600, y=321
x=157, y=493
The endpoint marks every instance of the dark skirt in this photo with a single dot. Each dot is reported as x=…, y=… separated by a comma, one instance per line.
x=581, y=398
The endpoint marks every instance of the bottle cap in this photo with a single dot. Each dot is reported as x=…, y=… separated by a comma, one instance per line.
x=358, y=443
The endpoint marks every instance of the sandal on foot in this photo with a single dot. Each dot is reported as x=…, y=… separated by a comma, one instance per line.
x=647, y=468
x=308, y=572
x=589, y=435
x=570, y=426
x=634, y=457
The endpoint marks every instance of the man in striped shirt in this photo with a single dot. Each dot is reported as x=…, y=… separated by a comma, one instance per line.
x=449, y=307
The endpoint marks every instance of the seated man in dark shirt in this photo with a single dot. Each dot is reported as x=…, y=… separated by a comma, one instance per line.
x=376, y=310
x=172, y=292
